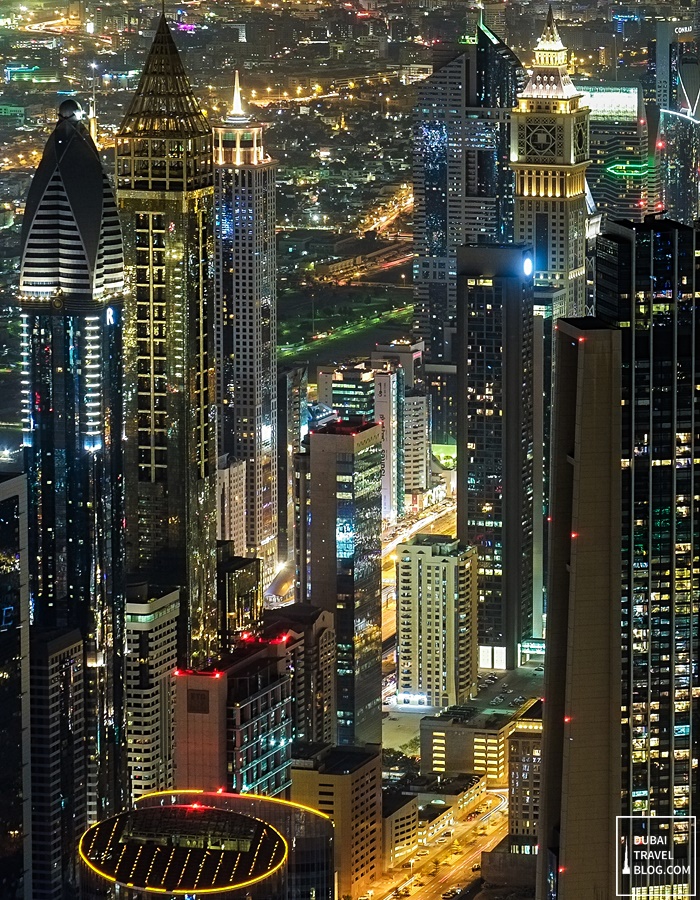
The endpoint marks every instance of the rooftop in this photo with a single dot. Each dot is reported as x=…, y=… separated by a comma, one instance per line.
x=183, y=849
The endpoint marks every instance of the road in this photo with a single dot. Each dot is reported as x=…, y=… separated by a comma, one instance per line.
x=443, y=520
x=449, y=864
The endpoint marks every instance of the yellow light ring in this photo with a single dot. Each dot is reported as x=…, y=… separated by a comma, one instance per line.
x=184, y=891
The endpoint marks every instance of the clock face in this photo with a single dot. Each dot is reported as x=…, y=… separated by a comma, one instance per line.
x=541, y=139
x=580, y=138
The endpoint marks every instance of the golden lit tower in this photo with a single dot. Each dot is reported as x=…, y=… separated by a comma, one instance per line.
x=165, y=192
x=246, y=319
x=549, y=153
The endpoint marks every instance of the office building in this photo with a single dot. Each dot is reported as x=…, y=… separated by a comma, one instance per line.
x=58, y=764
x=165, y=192
x=16, y=797
x=345, y=783
x=151, y=658
x=292, y=415
x=350, y=392
x=463, y=193
x=549, y=154
x=659, y=574
x=496, y=453
x=246, y=319
x=309, y=636
x=582, y=663
x=230, y=518
x=436, y=621
x=620, y=177
x=239, y=592
x=233, y=723
x=70, y=294
x=525, y=781
x=339, y=563
x=223, y=845
x=675, y=39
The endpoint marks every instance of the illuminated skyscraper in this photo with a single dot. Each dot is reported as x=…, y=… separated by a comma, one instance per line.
x=165, y=191
x=549, y=154
x=246, y=320
x=339, y=562
x=463, y=189
x=70, y=294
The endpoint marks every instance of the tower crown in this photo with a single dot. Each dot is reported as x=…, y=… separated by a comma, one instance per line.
x=550, y=51
x=164, y=104
x=549, y=78
x=71, y=246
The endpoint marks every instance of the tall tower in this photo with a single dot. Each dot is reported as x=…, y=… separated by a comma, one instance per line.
x=70, y=293
x=246, y=320
x=165, y=191
x=549, y=154
x=463, y=190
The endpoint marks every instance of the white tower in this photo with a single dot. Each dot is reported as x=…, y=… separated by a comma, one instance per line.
x=246, y=320
x=549, y=153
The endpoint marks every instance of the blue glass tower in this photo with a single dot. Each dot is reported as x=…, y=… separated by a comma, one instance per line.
x=70, y=293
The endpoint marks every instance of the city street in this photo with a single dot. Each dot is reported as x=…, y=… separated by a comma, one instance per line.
x=449, y=863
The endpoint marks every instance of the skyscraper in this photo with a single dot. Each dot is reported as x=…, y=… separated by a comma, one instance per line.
x=463, y=190
x=549, y=154
x=246, y=319
x=581, y=734
x=496, y=452
x=436, y=609
x=648, y=278
x=165, y=191
x=70, y=293
x=339, y=563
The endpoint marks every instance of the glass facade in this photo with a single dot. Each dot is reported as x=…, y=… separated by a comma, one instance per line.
x=647, y=286
x=165, y=192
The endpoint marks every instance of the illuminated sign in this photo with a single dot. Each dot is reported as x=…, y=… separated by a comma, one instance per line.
x=527, y=266
x=110, y=316
x=683, y=29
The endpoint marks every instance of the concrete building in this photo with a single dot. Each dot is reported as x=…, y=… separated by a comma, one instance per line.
x=496, y=451
x=346, y=784
x=436, y=621
x=309, y=635
x=339, y=563
x=230, y=507
x=399, y=828
x=292, y=416
x=404, y=353
x=349, y=391
x=462, y=739
x=151, y=659
x=233, y=724
x=583, y=658
x=525, y=780
x=388, y=413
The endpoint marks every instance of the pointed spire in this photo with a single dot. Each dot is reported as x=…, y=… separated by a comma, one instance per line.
x=237, y=108
x=550, y=39
x=164, y=103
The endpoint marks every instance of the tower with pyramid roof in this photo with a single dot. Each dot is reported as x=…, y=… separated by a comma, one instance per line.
x=549, y=154
x=165, y=193
x=246, y=319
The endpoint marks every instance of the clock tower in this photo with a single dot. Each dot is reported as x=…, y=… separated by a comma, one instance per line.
x=549, y=154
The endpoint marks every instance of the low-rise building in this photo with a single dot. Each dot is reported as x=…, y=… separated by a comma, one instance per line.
x=346, y=784
x=399, y=828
